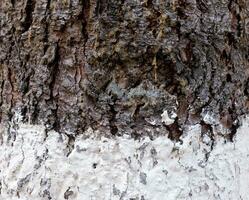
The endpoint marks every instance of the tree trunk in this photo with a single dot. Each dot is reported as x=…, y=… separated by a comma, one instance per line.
x=125, y=67
x=124, y=99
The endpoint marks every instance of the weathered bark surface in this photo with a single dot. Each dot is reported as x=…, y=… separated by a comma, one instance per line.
x=117, y=65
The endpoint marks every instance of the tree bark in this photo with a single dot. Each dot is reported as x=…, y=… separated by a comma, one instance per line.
x=121, y=66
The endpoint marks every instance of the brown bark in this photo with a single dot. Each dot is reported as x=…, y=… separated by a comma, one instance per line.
x=115, y=65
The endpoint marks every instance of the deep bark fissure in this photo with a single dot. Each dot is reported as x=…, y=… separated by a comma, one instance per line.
x=54, y=72
x=84, y=20
x=29, y=9
x=13, y=2
x=175, y=131
x=46, y=29
x=100, y=7
x=70, y=144
x=207, y=130
x=113, y=127
x=10, y=114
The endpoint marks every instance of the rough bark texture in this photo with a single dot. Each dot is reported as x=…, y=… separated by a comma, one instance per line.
x=117, y=65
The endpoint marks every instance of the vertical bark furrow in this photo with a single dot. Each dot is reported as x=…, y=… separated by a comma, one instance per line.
x=29, y=8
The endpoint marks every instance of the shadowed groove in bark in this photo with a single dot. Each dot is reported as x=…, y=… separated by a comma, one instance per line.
x=100, y=7
x=13, y=2
x=29, y=8
x=46, y=30
x=54, y=72
x=83, y=17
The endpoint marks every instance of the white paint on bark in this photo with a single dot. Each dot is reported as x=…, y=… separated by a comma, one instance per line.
x=168, y=119
x=38, y=166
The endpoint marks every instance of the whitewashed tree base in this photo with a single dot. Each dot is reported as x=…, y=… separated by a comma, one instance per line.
x=44, y=166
